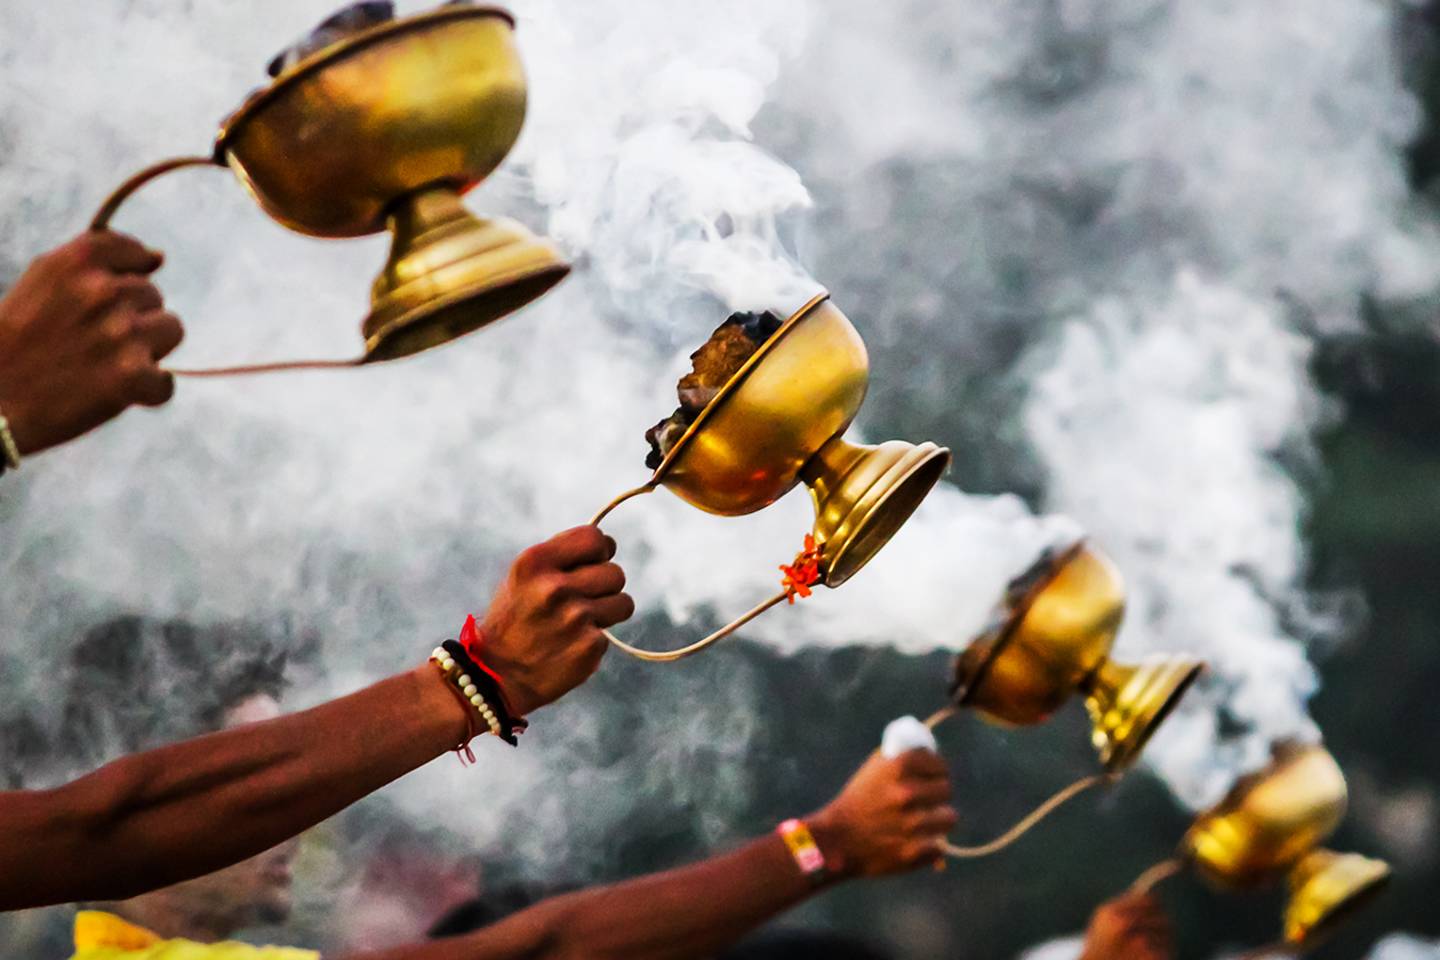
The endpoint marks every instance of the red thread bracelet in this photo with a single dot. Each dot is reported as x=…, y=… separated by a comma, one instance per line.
x=472, y=638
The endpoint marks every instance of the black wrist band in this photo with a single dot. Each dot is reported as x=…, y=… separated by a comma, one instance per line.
x=510, y=726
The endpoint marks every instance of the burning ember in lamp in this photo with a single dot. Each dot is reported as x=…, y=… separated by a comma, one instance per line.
x=1269, y=828
x=1052, y=639
x=383, y=124
x=776, y=421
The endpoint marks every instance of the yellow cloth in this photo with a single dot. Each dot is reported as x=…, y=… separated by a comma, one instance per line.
x=104, y=936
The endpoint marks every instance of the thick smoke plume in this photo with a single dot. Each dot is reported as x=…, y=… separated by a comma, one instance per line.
x=1124, y=215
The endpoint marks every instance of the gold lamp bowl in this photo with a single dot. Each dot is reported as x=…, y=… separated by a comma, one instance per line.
x=1053, y=637
x=777, y=423
x=1271, y=825
x=387, y=129
x=1270, y=819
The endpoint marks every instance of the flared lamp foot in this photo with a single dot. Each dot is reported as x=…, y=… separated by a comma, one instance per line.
x=1127, y=704
x=863, y=496
x=451, y=273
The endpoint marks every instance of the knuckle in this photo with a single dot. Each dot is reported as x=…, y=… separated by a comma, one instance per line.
x=528, y=562
x=80, y=250
x=120, y=326
x=574, y=617
x=134, y=362
x=555, y=589
x=98, y=288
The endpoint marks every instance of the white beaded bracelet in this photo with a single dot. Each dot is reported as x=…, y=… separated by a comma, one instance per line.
x=441, y=657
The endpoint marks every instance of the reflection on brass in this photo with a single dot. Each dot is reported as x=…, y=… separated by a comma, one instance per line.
x=778, y=423
x=1053, y=638
x=386, y=129
x=1270, y=826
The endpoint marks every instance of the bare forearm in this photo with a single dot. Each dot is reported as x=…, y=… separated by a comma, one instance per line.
x=682, y=914
x=166, y=815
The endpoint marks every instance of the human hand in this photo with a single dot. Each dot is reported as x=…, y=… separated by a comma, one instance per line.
x=888, y=818
x=542, y=631
x=82, y=333
x=1130, y=927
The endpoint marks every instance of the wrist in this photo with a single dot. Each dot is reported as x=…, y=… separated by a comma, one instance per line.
x=445, y=714
x=833, y=838
x=518, y=697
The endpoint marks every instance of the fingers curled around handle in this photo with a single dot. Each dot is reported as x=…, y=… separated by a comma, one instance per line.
x=154, y=388
x=576, y=547
x=612, y=610
x=162, y=331
x=119, y=252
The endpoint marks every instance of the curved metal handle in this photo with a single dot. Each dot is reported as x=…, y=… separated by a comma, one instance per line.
x=670, y=656
x=1157, y=875
x=1056, y=801
x=106, y=213
x=123, y=192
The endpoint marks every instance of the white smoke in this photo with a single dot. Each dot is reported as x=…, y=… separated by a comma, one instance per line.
x=1167, y=198
x=1065, y=948
x=1139, y=186
x=1400, y=946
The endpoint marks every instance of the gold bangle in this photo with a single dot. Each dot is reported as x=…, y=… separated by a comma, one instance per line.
x=8, y=448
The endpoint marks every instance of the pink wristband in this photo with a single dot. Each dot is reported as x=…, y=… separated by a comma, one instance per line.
x=802, y=846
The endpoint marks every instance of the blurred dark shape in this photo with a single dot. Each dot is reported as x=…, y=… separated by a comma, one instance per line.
x=336, y=27
x=492, y=907
x=802, y=945
x=134, y=684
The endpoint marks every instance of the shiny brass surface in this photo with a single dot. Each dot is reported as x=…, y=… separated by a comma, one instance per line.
x=451, y=273
x=1056, y=629
x=1052, y=639
x=1270, y=826
x=388, y=128
x=799, y=391
x=1128, y=704
x=863, y=495
x=778, y=422
x=1325, y=888
x=1270, y=819
x=331, y=143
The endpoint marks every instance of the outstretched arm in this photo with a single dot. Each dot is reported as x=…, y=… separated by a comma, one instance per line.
x=885, y=821
x=156, y=818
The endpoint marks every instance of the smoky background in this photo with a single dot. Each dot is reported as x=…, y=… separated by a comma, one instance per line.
x=1161, y=271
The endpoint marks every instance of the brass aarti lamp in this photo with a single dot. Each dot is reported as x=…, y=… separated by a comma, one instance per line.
x=385, y=129
x=778, y=422
x=1050, y=640
x=1269, y=828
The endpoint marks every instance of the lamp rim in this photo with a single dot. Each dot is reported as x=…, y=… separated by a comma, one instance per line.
x=732, y=385
x=338, y=50
x=1004, y=632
